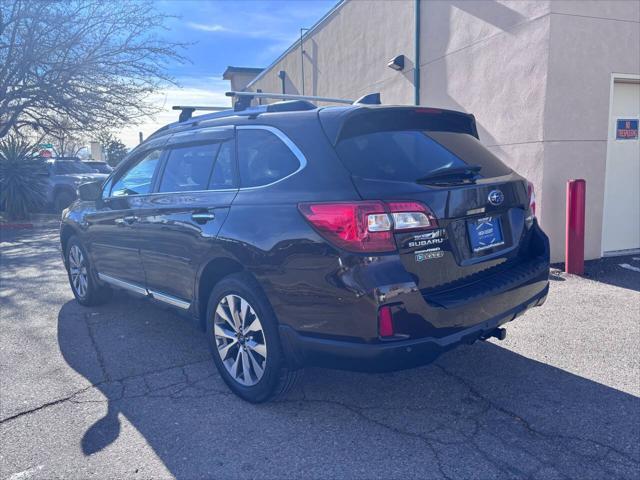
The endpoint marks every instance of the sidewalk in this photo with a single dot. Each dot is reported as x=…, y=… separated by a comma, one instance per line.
x=35, y=220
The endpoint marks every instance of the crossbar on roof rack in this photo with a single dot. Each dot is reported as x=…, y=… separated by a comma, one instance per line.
x=187, y=111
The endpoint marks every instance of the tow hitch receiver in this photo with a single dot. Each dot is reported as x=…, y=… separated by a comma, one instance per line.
x=499, y=333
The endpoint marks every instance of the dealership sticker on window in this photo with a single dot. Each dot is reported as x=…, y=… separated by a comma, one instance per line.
x=627, y=129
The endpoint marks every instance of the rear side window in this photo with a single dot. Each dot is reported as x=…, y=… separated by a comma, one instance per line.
x=405, y=151
x=263, y=158
x=189, y=168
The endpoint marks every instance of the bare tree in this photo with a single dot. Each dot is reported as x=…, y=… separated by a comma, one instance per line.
x=66, y=140
x=93, y=63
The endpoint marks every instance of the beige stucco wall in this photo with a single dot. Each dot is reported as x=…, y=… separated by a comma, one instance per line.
x=239, y=80
x=534, y=73
x=347, y=56
x=589, y=41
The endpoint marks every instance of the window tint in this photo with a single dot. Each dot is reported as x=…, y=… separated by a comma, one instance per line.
x=224, y=170
x=188, y=168
x=138, y=179
x=409, y=155
x=263, y=158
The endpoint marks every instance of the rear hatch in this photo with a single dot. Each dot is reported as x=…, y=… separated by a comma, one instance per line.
x=434, y=157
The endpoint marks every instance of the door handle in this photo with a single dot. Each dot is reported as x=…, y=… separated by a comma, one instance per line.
x=203, y=217
x=128, y=220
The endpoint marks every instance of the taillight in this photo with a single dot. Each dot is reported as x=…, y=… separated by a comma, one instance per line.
x=357, y=226
x=409, y=216
x=385, y=322
x=532, y=198
x=367, y=226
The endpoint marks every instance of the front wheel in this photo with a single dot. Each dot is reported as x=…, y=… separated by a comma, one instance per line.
x=83, y=284
x=243, y=337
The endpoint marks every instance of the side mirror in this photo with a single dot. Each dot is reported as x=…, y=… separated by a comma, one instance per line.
x=90, y=192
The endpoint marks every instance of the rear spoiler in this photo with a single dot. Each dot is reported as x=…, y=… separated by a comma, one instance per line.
x=340, y=122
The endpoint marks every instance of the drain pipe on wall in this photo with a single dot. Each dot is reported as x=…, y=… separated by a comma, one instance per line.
x=302, y=31
x=416, y=49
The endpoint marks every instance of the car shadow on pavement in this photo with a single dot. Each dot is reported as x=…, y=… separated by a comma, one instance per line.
x=480, y=411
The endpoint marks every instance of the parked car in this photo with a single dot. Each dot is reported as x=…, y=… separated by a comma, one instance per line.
x=99, y=166
x=363, y=237
x=65, y=174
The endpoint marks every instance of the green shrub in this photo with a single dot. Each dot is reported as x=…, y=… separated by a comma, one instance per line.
x=22, y=180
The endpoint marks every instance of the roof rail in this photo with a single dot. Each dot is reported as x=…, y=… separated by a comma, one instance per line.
x=244, y=98
x=243, y=106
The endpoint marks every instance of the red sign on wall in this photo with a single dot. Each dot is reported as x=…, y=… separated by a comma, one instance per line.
x=627, y=129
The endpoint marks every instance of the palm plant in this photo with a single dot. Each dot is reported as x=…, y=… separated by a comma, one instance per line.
x=22, y=183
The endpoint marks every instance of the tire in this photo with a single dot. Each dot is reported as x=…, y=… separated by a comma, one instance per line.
x=81, y=276
x=265, y=374
x=62, y=200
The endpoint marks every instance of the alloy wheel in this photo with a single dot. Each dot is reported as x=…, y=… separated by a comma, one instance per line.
x=240, y=340
x=78, y=271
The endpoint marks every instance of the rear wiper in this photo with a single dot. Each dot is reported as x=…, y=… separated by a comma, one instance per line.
x=468, y=172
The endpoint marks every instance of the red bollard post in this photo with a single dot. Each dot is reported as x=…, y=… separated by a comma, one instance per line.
x=574, y=241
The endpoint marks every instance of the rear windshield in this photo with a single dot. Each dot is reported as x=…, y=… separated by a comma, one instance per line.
x=406, y=151
x=68, y=167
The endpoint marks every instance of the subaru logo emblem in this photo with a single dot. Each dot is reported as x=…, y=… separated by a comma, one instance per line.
x=496, y=197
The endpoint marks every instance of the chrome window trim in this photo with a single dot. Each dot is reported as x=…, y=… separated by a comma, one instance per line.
x=176, y=302
x=123, y=284
x=286, y=140
x=302, y=160
x=205, y=130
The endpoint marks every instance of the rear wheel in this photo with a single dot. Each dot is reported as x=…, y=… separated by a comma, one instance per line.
x=81, y=278
x=243, y=337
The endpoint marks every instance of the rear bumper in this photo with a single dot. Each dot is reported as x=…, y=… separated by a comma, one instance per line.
x=302, y=350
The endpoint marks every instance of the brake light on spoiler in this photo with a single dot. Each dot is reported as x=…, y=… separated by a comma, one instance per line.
x=367, y=226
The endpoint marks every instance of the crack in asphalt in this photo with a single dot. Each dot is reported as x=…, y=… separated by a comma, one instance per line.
x=43, y=406
x=504, y=468
x=356, y=410
x=94, y=343
x=545, y=435
x=71, y=397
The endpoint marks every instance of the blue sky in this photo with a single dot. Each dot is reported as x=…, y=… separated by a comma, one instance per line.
x=244, y=33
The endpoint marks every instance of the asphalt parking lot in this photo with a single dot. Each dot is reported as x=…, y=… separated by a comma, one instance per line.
x=127, y=390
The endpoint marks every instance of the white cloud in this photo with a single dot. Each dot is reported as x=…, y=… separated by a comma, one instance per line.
x=208, y=28
x=169, y=97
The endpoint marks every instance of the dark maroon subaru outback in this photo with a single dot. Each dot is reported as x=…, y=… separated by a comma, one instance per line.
x=361, y=237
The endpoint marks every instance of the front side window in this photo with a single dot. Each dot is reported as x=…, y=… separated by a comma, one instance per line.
x=138, y=179
x=263, y=158
x=224, y=170
x=189, y=168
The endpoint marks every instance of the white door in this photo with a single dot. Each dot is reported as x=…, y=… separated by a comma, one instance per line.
x=621, y=220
